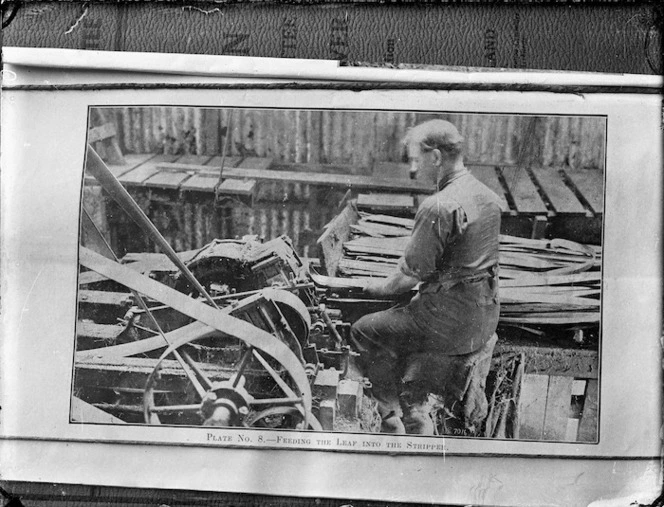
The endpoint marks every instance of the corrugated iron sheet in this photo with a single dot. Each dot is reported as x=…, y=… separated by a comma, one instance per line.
x=188, y=222
x=356, y=138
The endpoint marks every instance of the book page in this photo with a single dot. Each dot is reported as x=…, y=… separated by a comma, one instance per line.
x=183, y=264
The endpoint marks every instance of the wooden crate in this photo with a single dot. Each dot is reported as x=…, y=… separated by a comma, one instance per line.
x=558, y=408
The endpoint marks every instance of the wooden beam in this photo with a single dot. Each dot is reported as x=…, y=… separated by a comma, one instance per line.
x=90, y=277
x=573, y=363
x=523, y=191
x=111, y=148
x=174, y=179
x=200, y=183
x=315, y=168
x=386, y=202
x=488, y=176
x=131, y=162
x=588, y=426
x=237, y=187
x=100, y=133
x=111, y=373
x=132, y=372
x=215, y=162
x=191, y=158
x=141, y=173
x=539, y=227
x=532, y=405
x=84, y=412
x=145, y=365
x=207, y=181
x=369, y=183
x=589, y=183
x=561, y=197
x=108, y=333
x=560, y=318
x=558, y=403
x=102, y=306
x=259, y=163
x=101, y=297
x=384, y=169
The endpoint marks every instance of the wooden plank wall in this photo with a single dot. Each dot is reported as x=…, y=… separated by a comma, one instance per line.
x=359, y=139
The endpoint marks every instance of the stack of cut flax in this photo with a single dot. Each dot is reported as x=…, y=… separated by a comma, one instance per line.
x=542, y=282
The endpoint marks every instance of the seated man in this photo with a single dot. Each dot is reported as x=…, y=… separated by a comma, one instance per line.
x=453, y=256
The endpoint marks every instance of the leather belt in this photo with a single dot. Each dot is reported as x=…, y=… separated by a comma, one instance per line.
x=448, y=279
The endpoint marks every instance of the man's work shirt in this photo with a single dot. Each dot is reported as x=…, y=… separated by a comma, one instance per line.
x=453, y=251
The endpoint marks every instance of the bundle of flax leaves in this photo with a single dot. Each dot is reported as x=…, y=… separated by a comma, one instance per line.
x=542, y=282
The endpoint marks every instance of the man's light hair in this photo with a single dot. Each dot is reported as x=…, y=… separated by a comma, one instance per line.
x=436, y=134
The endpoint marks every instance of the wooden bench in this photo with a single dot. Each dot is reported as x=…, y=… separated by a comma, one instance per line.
x=537, y=202
x=547, y=192
x=201, y=173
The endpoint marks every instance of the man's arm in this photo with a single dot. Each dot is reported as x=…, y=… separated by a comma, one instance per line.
x=434, y=223
x=395, y=284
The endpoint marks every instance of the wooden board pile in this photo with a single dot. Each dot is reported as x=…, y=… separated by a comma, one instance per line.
x=542, y=282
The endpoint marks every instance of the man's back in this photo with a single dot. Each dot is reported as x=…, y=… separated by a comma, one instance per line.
x=477, y=247
x=458, y=230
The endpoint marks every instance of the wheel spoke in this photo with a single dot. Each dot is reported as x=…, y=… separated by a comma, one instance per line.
x=146, y=329
x=206, y=382
x=108, y=407
x=275, y=401
x=191, y=375
x=243, y=365
x=280, y=382
x=167, y=409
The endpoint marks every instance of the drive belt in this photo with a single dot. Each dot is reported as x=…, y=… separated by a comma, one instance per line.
x=203, y=313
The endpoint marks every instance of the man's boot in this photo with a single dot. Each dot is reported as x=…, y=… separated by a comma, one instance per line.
x=417, y=420
x=392, y=424
x=416, y=408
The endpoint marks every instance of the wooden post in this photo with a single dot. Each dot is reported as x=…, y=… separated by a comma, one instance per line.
x=532, y=405
x=588, y=429
x=539, y=227
x=106, y=136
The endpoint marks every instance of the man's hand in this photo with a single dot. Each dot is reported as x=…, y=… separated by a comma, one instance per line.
x=395, y=284
x=376, y=288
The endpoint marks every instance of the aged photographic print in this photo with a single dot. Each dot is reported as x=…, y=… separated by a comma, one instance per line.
x=446, y=284
x=341, y=272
